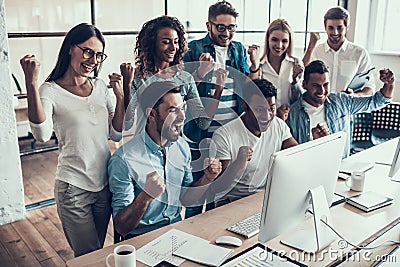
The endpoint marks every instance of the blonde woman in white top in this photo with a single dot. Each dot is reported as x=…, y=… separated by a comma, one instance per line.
x=81, y=112
x=278, y=66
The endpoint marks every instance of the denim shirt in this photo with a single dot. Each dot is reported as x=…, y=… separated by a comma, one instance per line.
x=195, y=110
x=338, y=108
x=237, y=59
x=128, y=168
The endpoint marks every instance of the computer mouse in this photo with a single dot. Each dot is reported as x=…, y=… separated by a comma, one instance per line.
x=228, y=240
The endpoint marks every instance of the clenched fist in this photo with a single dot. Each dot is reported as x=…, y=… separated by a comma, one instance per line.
x=154, y=185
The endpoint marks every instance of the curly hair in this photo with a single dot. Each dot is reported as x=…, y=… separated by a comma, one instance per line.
x=146, y=44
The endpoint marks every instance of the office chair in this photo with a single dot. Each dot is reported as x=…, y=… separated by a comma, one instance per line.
x=386, y=123
x=362, y=132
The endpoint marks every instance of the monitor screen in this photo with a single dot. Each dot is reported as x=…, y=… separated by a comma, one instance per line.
x=293, y=173
x=395, y=162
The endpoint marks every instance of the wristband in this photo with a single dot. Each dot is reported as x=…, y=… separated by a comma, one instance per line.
x=254, y=71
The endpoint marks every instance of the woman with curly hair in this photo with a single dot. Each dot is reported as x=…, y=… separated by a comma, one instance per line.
x=159, y=51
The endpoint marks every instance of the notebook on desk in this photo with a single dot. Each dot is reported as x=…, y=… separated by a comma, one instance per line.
x=349, y=166
x=369, y=201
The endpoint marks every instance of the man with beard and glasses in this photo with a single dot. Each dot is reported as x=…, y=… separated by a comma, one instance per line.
x=344, y=58
x=150, y=176
x=216, y=53
x=245, y=145
x=318, y=112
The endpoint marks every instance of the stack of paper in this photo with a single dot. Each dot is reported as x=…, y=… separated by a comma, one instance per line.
x=369, y=201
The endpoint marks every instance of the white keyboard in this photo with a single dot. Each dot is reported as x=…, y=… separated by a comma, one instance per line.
x=247, y=227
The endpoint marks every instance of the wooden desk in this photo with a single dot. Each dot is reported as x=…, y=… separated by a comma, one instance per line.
x=355, y=225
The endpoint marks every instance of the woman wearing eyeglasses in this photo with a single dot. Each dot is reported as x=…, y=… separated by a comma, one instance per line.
x=279, y=66
x=80, y=110
x=158, y=57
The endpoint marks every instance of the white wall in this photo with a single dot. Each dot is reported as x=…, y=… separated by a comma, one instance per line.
x=12, y=206
x=359, y=30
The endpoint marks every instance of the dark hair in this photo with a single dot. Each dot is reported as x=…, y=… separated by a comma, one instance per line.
x=278, y=25
x=153, y=95
x=259, y=87
x=146, y=44
x=316, y=66
x=336, y=13
x=221, y=8
x=77, y=35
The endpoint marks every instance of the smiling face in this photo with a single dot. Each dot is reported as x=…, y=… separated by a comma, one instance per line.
x=167, y=45
x=170, y=117
x=80, y=65
x=278, y=42
x=221, y=38
x=317, y=88
x=259, y=113
x=336, y=31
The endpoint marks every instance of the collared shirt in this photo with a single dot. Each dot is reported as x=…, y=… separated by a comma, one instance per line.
x=343, y=64
x=195, y=110
x=287, y=93
x=128, y=168
x=338, y=108
x=237, y=60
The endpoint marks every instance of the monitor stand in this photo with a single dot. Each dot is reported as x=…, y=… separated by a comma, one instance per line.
x=318, y=237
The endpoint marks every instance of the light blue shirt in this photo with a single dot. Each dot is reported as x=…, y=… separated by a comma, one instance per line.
x=127, y=170
x=338, y=108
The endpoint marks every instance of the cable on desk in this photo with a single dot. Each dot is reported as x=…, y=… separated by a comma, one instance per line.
x=356, y=246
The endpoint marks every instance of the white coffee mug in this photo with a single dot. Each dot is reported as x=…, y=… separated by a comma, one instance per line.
x=124, y=256
x=357, y=180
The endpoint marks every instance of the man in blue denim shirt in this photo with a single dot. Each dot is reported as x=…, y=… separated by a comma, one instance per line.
x=150, y=176
x=214, y=52
x=318, y=112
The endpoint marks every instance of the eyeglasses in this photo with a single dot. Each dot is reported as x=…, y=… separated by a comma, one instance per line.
x=89, y=53
x=222, y=27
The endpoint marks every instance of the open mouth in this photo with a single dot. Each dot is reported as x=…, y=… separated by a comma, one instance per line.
x=170, y=55
x=87, y=67
x=178, y=127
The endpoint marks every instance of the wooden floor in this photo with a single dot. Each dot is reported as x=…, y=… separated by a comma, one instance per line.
x=38, y=240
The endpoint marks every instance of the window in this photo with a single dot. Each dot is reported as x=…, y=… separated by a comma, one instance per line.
x=38, y=27
x=384, y=21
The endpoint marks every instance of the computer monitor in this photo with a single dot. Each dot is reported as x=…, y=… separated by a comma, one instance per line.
x=394, y=168
x=293, y=173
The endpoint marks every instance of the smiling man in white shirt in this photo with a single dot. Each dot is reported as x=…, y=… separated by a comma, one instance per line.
x=344, y=58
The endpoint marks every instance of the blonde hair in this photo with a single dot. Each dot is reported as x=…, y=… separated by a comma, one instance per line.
x=278, y=25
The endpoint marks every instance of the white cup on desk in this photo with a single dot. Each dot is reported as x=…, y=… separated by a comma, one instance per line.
x=124, y=256
x=357, y=181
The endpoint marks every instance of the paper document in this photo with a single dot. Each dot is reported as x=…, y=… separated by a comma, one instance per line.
x=204, y=253
x=161, y=248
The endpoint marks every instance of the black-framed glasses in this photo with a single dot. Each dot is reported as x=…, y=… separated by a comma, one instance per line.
x=89, y=53
x=222, y=27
